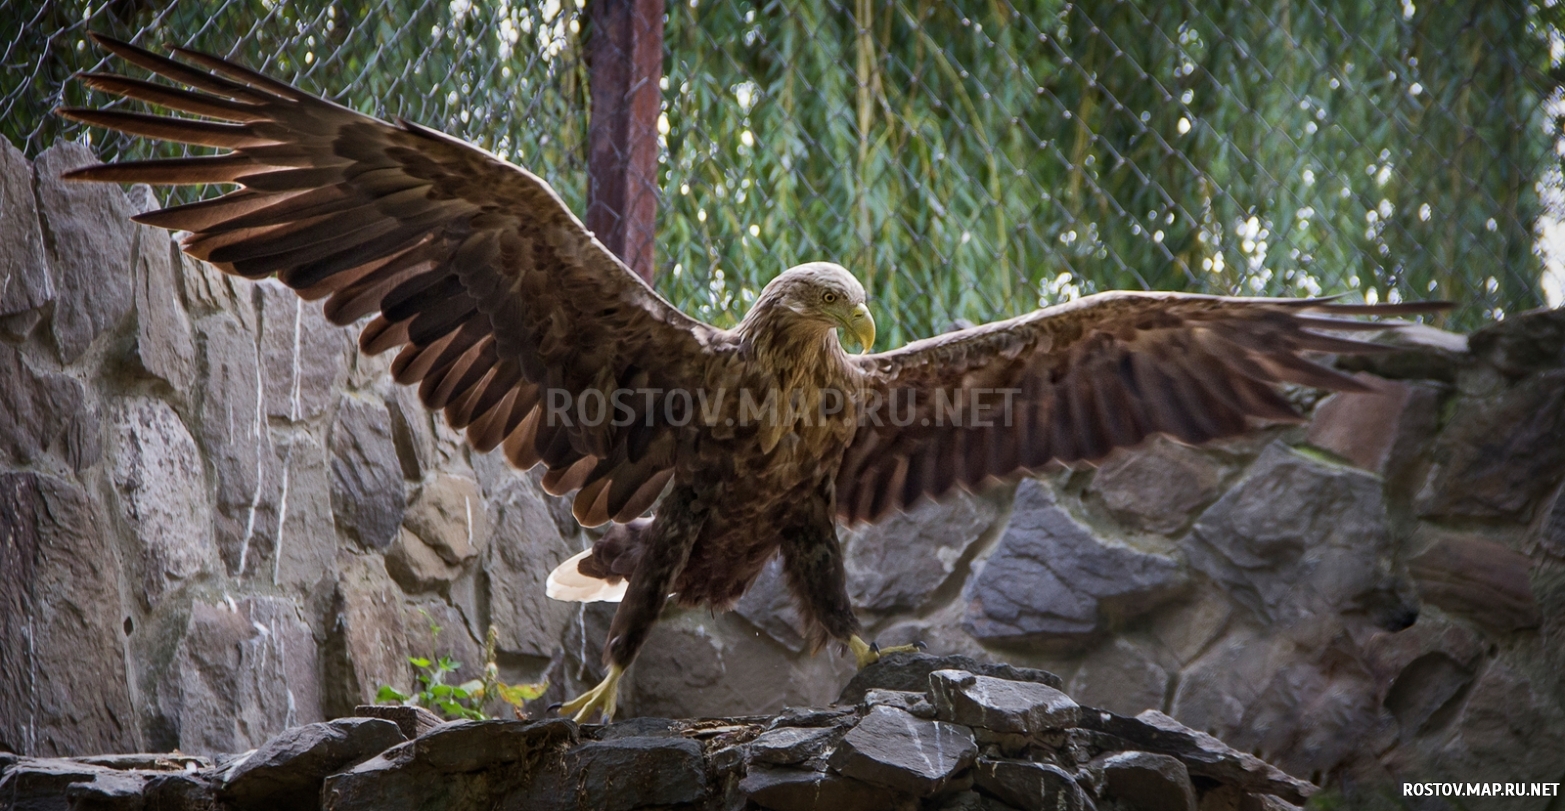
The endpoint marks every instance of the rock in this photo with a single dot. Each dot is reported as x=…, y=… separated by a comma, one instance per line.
x=468, y=764
x=304, y=356
x=916, y=704
x=367, y=496
x=1499, y=455
x=470, y=746
x=910, y=671
x=448, y=515
x=684, y=661
x=1426, y=686
x=242, y=671
x=162, y=495
x=1418, y=352
x=147, y=761
x=1381, y=430
x=1119, y=677
x=1523, y=344
x=893, y=749
x=786, y=746
x=1216, y=691
x=91, y=239
x=996, y=704
x=1202, y=754
x=208, y=290
x=305, y=558
x=1551, y=530
x=180, y=791
x=416, y=567
x=60, y=601
x=525, y=545
x=1388, y=655
x=1050, y=579
x=800, y=790
x=1187, y=630
x=46, y=416
x=233, y=434
x=1479, y=579
x=1030, y=786
x=412, y=721
x=368, y=644
x=643, y=727
x=412, y=429
x=165, y=347
x=627, y=773
x=814, y=717
x=1298, y=538
x=1156, y=487
x=40, y=785
x=1147, y=782
x=768, y=605
x=24, y=267
x=883, y=578
x=287, y=771
x=1506, y=730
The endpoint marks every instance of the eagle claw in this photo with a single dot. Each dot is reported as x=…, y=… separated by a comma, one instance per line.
x=868, y=653
x=602, y=698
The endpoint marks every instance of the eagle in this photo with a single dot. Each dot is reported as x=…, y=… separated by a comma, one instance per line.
x=751, y=442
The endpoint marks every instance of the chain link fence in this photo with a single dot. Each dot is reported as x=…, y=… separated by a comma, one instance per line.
x=968, y=161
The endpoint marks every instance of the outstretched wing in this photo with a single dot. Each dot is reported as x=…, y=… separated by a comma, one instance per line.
x=1074, y=381
x=495, y=293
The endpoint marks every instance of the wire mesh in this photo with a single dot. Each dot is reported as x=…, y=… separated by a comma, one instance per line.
x=972, y=160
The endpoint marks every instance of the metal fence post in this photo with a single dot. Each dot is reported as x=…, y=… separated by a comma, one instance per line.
x=625, y=60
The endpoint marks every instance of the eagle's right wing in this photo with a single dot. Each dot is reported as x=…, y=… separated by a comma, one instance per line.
x=1074, y=381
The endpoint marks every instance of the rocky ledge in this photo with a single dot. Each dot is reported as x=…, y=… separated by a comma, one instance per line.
x=911, y=732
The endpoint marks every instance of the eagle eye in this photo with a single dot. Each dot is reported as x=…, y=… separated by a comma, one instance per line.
x=829, y=297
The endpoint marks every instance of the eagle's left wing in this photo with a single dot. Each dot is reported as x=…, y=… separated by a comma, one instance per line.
x=496, y=295
x=1074, y=381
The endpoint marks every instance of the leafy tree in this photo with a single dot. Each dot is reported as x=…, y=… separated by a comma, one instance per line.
x=968, y=160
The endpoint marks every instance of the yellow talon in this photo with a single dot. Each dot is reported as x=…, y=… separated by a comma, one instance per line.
x=602, y=698
x=868, y=654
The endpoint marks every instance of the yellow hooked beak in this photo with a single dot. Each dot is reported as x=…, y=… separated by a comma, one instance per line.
x=862, y=326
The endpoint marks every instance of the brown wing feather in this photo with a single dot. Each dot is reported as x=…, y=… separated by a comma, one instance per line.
x=474, y=268
x=1085, y=378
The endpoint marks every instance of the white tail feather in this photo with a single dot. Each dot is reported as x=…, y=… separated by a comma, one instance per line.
x=568, y=584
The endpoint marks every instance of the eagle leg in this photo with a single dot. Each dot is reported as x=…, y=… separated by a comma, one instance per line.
x=668, y=542
x=812, y=561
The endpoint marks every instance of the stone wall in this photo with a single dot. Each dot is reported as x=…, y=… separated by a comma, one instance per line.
x=217, y=521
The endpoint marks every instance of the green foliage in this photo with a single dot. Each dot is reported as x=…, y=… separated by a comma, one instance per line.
x=974, y=159
x=468, y=699
x=968, y=160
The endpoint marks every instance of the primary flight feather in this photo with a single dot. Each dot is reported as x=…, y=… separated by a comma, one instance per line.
x=528, y=334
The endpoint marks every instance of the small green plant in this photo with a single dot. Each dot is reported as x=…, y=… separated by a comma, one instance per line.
x=468, y=699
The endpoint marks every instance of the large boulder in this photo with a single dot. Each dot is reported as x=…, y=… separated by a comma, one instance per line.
x=1052, y=580
x=162, y=495
x=884, y=578
x=287, y=771
x=25, y=284
x=1299, y=537
x=60, y=603
x=367, y=495
x=241, y=672
x=90, y=250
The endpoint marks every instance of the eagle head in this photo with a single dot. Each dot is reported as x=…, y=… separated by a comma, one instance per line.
x=823, y=294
